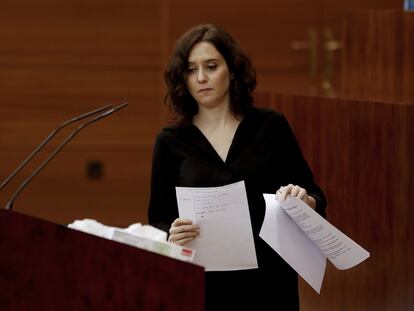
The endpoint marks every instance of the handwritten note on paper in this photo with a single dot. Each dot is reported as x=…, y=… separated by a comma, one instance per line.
x=226, y=237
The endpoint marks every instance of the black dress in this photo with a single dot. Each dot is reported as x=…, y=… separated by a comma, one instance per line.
x=265, y=154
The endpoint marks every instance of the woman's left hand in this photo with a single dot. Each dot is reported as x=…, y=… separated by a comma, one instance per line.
x=295, y=191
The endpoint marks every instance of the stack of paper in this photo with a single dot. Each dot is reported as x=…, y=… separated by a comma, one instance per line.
x=304, y=240
x=142, y=236
x=295, y=231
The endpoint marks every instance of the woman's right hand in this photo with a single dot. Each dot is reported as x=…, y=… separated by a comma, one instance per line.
x=183, y=231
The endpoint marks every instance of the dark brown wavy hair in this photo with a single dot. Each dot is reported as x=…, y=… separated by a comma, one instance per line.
x=243, y=74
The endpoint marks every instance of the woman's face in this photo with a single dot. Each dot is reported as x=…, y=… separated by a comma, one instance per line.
x=208, y=77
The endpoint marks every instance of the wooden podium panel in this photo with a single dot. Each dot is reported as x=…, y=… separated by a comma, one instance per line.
x=361, y=153
x=378, y=54
x=44, y=266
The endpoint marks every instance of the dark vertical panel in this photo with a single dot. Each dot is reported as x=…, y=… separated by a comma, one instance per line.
x=361, y=153
x=377, y=58
x=408, y=52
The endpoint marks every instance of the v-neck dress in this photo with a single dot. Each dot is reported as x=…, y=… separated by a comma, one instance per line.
x=264, y=154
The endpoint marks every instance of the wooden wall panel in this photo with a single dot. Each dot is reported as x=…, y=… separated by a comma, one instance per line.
x=377, y=60
x=408, y=52
x=63, y=192
x=332, y=31
x=361, y=154
x=332, y=10
x=62, y=58
x=59, y=59
x=276, y=34
x=265, y=30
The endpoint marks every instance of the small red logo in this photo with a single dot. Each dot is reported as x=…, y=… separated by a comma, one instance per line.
x=186, y=252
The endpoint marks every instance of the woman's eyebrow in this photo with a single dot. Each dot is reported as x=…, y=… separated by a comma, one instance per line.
x=204, y=61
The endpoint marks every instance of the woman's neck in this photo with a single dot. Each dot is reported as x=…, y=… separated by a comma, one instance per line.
x=214, y=117
x=218, y=127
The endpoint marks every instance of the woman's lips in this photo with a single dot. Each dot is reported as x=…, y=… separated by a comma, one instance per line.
x=205, y=90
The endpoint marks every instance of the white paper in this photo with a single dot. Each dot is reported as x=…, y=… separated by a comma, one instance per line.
x=226, y=237
x=341, y=251
x=289, y=241
x=304, y=240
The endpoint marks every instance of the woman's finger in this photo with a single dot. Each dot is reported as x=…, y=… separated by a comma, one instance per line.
x=182, y=238
x=291, y=190
x=302, y=194
x=181, y=221
x=283, y=192
x=295, y=191
x=185, y=235
x=184, y=241
x=184, y=228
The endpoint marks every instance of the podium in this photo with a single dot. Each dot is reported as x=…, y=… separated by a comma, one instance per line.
x=45, y=266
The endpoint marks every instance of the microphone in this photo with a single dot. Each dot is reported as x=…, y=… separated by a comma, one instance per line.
x=51, y=135
x=9, y=205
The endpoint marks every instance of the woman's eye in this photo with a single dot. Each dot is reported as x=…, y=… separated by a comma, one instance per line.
x=211, y=67
x=191, y=69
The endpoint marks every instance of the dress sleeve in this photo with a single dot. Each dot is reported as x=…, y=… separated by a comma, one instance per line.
x=162, y=210
x=297, y=169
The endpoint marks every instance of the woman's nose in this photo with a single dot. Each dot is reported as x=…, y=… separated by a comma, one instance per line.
x=201, y=77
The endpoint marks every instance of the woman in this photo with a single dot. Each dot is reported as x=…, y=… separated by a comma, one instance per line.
x=220, y=138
